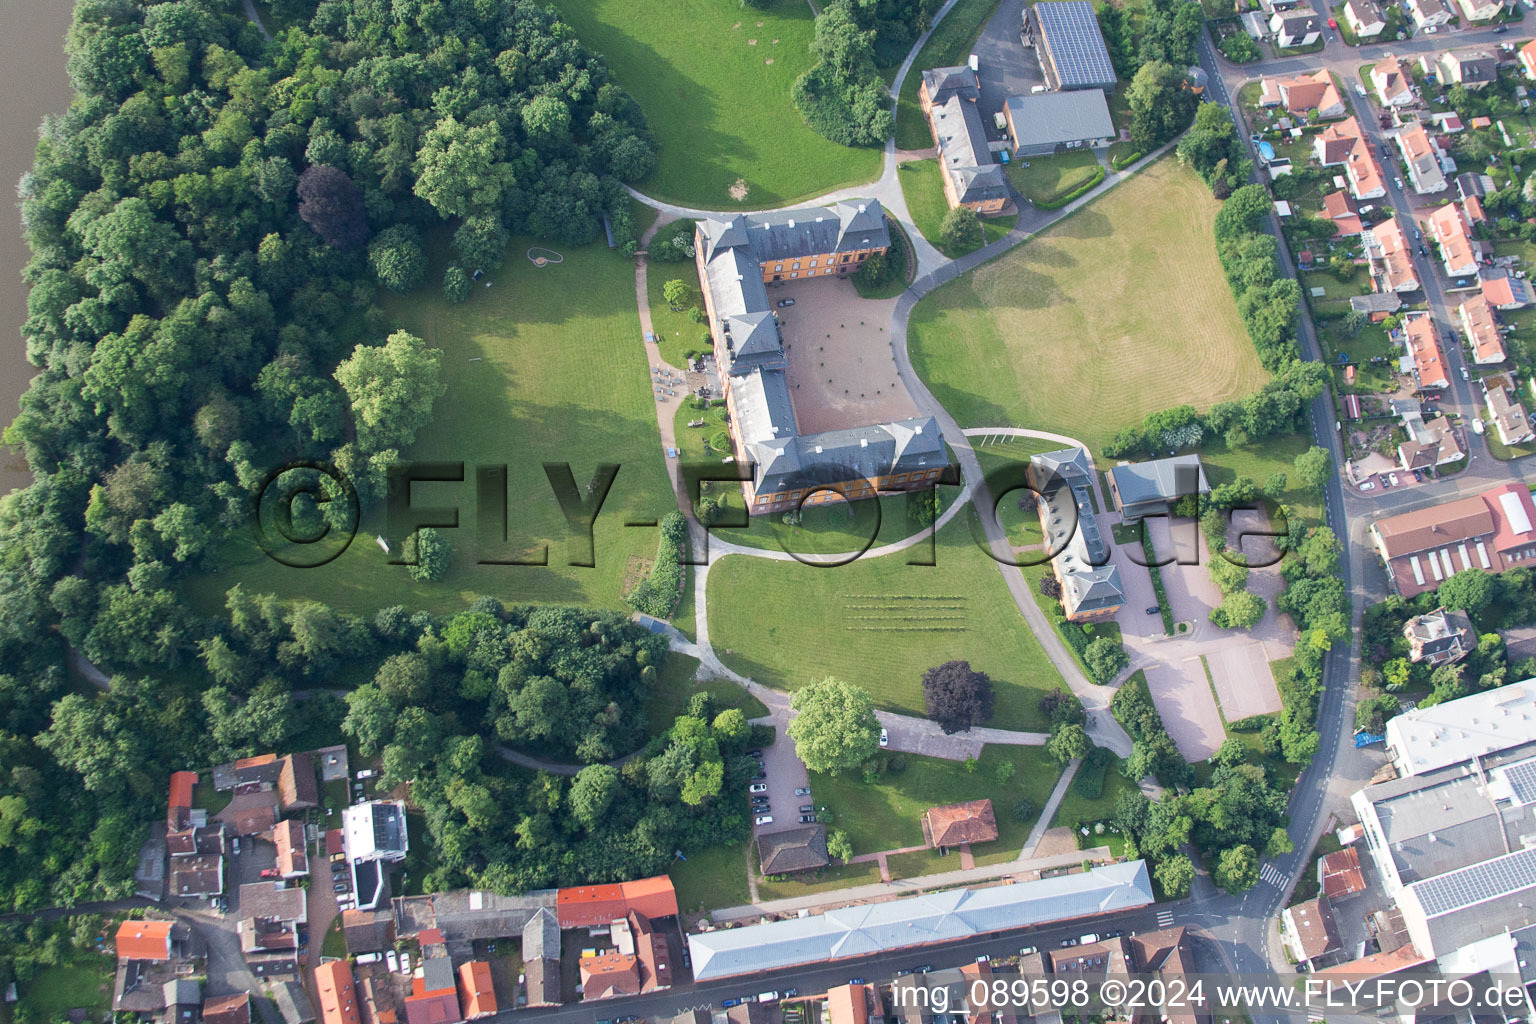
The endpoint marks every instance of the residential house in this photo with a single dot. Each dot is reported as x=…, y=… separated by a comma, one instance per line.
x=1052, y=122
x=1471, y=185
x=588, y=906
x=1334, y=143
x=1503, y=289
x=375, y=836
x=1309, y=932
x=1422, y=156
x=1366, y=180
x=1474, y=69
x=292, y=1003
x=609, y=975
x=1069, y=44
x=292, y=853
x=367, y=931
x=1339, y=874
x=853, y=1004
x=1440, y=637
x=297, y=788
x=1493, y=530
x=1377, y=305
x=1390, y=258
x=737, y=257
x=336, y=994
x=376, y=992
x=144, y=940
x=434, y=997
x=178, y=815
x=1429, y=13
x=1365, y=18
x=477, y=994
x=1341, y=208
x=1091, y=589
x=1153, y=488
x=1299, y=94
x=541, y=958
x=234, y=1009
x=794, y=849
x=1423, y=355
x=1393, y=84
x=1296, y=28
x=959, y=824
x=1528, y=59
x=1459, y=251
x=1481, y=326
x=947, y=98
x=1505, y=411
x=1430, y=444
x=1275, y=6
x=1480, y=10
x=269, y=925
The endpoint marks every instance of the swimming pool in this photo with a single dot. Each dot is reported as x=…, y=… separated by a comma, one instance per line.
x=1266, y=151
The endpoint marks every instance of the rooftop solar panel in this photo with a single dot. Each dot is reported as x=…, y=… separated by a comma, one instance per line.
x=1071, y=35
x=1477, y=882
x=1522, y=780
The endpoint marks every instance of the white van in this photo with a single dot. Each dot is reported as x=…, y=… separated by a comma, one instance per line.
x=1037, y=89
x=1477, y=425
x=1091, y=937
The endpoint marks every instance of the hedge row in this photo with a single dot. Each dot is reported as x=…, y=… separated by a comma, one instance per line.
x=1083, y=189
x=657, y=594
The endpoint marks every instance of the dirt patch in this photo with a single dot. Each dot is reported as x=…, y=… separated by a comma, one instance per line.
x=738, y=189
x=751, y=42
x=1056, y=841
x=768, y=61
x=635, y=570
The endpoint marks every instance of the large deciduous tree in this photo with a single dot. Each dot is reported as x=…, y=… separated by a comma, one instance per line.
x=332, y=204
x=834, y=728
x=391, y=388
x=957, y=696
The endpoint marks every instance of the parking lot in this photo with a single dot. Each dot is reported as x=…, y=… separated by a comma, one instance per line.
x=786, y=773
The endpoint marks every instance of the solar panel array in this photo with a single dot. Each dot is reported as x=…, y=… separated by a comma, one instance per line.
x=1475, y=883
x=1076, y=45
x=1522, y=780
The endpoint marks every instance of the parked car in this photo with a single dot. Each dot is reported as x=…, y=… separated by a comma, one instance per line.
x=1393, y=478
x=758, y=787
x=629, y=1018
x=1398, y=182
x=807, y=819
x=392, y=961
x=885, y=738
x=925, y=968
x=1068, y=943
x=855, y=981
x=269, y=872
x=1500, y=29
x=984, y=959
x=1477, y=426
x=803, y=791
x=1369, y=485
x=1464, y=374
x=755, y=753
x=1333, y=23
x=807, y=808
x=1091, y=937
x=786, y=302
x=1027, y=950
x=1153, y=610
x=768, y=997
x=904, y=972
x=1360, y=90
x=728, y=1003
x=1117, y=933
x=765, y=819
x=367, y=773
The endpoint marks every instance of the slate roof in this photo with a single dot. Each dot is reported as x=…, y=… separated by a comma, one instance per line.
x=1089, y=582
x=795, y=849
x=932, y=917
x=943, y=83
x=964, y=153
x=1159, y=479
x=1054, y=118
x=541, y=936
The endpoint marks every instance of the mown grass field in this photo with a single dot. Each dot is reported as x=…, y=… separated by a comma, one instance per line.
x=1045, y=179
x=547, y=365
x=713, y=877
x=880, y=622
x=1117, y=311
x=714, y=81
x=887, y=814
x=57, y=990
x=676, y=685
x=947, y=46
x=677, y=332
x=923, y=190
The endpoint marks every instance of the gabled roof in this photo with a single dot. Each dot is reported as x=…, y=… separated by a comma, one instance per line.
x=1505, y=290
x=1365, y=12
x=1482, y=329
x=587, y=905
x=609, y=974
x=179, y=812
x=366, y=931
x=1312, y=925
x=477, y=995
x=292, y=851
x=143, y=940
x=1388, y=77
x=1340, y=873
x=541, y=936
x=335, y=993
x=1424, y=349
x=234, y=1009
x=943, y=83
x=296, y=785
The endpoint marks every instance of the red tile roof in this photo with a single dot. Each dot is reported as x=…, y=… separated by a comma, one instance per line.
x=477, y=995
x=292, y=852
x=179, y=814
x=440, y=1006
x=588, y=905
x=144, y=940
x=227, y=1009
x=609, y=974
x=953, y=824
x=1341, y=873
x=1482, y=330
x=848, y=1004
x=335, y=994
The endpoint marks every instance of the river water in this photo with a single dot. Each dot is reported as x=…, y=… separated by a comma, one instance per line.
x=33, y=82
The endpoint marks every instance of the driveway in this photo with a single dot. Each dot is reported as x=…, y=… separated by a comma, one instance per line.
x=786, y=772
x=1008, y=68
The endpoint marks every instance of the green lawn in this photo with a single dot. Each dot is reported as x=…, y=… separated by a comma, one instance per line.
x=547, y=365
x=880, y=622
x=1117, y=311
x=923, y=190
x=57, y=990
x=1258, y=462
x=899, y=279
x=948, y=46
x=335, y=944
x=804, y=883
x=676, y=685
x=1076, y=809
x=714, y=877
x=677, y=333
x=1045, y=179
x=714, y=81
x=887, y=814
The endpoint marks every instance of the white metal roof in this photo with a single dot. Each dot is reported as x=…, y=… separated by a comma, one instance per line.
x=1428, y=738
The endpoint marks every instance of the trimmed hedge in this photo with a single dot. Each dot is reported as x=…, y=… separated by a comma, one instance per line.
x=1083, y=189
x=1120, y=163
x=1089, y=783
x=657, y=594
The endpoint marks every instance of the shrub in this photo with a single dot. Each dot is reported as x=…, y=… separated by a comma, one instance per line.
x=1055, y=204
x=1089, y=783
x=657, y=594
x=456, y=283
x=961, y=230
x=1024, y=809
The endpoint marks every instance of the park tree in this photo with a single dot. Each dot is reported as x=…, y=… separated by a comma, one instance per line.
x=1237, y=869
x=839, y=846
x=391, y=388
x=960, y=230
x=370, y=719
x=592, y=794
x=456, y=283
x=1241, y=609
x=331, y=203
x=957, y=696
x=1314, y=468
x=1105, y=658
x=427, y=553
x=1160, y=105
x=459, y=169
x=1069, y=743
x=398, y=258
x=834, y=728
x=676, y=292
x=404, y=679
x=1175, y=873
x=1469, y=590
x=1062, y=708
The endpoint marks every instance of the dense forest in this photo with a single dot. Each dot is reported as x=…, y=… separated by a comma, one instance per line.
x=210, y=225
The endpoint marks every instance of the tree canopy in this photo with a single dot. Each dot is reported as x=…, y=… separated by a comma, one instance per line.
x=834, y=727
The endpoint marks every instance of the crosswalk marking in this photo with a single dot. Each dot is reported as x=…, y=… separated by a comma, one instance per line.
x=1165, y=919
x=1273, y=875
